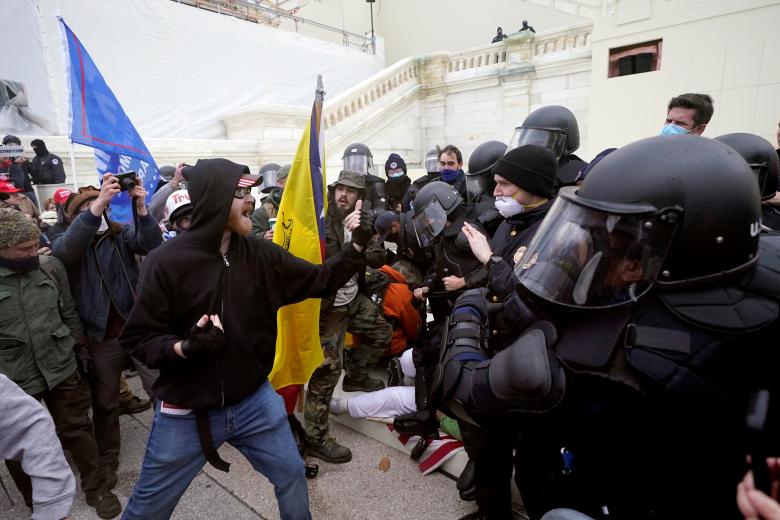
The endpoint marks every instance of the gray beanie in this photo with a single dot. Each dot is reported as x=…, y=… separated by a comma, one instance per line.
x=16, y=227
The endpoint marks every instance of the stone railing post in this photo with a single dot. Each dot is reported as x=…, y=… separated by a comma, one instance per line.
x=518, y=49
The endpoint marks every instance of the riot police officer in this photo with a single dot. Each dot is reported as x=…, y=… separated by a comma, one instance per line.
x=555, y=128
x=432, y=171
x=479, y=177
x=269, y=172
x=358, y=157
x=525, y=189
x=439, y=215
x=666, y=297
x=763, y=159
x=480, y=184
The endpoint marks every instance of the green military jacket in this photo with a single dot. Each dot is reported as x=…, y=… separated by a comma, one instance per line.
x=39, y=326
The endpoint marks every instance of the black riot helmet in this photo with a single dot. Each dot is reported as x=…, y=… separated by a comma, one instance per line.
x=553, y=127
x=479, y=178
x=761, y=156
x=358, y=158
x=432, y=161
x=669, y=209
x=406, y=242
x=268, y=172
x=433, y=204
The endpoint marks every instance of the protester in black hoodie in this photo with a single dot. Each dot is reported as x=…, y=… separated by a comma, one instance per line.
x=213, y=386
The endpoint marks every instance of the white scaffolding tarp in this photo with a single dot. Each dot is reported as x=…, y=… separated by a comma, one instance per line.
x=175, y=69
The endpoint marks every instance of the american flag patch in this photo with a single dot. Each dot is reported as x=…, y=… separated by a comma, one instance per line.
x=246, y=180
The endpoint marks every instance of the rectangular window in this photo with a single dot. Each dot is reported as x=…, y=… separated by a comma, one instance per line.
x=635, y=59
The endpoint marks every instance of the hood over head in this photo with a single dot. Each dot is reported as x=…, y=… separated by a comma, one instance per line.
x=211, y=184
x=39, y=147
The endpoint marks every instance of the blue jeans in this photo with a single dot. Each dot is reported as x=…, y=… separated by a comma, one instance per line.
x=256, y=426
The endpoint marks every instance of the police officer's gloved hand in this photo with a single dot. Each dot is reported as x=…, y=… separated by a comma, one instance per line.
x=204, y=341
x=362, y=234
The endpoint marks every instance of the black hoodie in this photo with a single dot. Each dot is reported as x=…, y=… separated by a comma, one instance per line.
x=188, y=277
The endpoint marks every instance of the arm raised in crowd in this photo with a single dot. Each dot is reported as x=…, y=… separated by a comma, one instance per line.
x=306, y=280
x=70, y=246
x=149, y=235
x=157, y=204
x=73, y=243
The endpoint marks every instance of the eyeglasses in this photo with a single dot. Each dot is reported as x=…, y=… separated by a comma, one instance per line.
x=242, y=192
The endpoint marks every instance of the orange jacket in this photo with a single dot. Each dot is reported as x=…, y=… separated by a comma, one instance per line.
x=398, y=308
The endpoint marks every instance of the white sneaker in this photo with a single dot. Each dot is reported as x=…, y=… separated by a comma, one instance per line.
x=338, y=405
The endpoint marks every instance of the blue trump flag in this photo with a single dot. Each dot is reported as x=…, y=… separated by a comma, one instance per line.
x=98, y=121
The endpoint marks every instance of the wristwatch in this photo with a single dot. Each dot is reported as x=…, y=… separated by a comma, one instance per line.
x=494, y=259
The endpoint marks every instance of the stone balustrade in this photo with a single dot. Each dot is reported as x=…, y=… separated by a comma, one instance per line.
x=518, y=49
x=358, y=98
x=561, y=40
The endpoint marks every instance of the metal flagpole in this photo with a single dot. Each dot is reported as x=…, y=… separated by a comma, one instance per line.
x=73, y=167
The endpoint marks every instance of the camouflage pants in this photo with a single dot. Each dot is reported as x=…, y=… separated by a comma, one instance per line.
x=362, y=319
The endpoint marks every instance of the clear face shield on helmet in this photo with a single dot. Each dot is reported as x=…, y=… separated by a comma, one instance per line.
x=269, y=180
x=554, y=139
x=432, y=164
x=475, y=186
x=595, y=258
x=429, y=222
x=363, y=164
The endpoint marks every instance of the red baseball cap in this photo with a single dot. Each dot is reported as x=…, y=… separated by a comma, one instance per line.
x=8, y=187
x=61, y=195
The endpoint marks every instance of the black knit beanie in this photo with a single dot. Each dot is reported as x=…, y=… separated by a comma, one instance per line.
x=394, y=161
x=530, y=167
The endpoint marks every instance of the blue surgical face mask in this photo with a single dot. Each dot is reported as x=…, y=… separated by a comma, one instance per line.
x=448, y=175
x=395, y=174
x=672, y=129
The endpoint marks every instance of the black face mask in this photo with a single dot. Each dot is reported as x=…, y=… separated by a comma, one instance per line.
x=21, y=265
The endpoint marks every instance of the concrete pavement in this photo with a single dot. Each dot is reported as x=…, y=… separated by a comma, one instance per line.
x=357, y=490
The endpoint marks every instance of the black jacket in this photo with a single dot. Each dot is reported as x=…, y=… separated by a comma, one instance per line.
x=187, y=277
x=398, y=194
x=47, y=169
x=509, y=242
x=18, y=174
x=103, y=269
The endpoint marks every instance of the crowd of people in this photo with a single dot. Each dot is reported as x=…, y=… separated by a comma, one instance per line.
x=597, y=330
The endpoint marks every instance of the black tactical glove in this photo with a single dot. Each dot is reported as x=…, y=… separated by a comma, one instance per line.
x=203, y=342
x=363, y=234
x=84, y=359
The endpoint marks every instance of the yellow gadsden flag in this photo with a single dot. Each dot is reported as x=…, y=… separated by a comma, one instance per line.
x=300, y=229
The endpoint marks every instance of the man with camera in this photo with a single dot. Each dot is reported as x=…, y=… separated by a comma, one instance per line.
x=99, y=256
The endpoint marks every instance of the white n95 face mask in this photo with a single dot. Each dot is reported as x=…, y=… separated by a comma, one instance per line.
x=508, y=206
